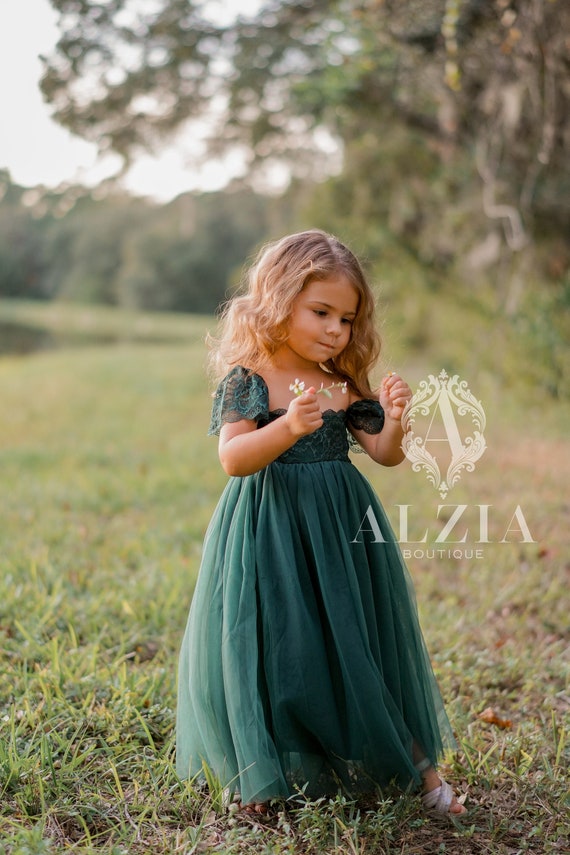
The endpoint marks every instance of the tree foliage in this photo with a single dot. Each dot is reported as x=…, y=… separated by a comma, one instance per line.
x=490, y=76
x=123, y=74
x=123, y=251
x=23, y=262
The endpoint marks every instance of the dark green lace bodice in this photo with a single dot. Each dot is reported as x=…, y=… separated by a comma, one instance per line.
x=244, y=395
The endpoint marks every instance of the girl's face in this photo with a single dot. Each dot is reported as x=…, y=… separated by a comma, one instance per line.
x=321, y=320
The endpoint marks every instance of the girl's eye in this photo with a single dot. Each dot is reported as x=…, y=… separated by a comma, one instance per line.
x=347, y=321
x=320, y=312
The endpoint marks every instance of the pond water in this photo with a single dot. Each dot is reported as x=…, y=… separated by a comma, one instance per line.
x=18, y=338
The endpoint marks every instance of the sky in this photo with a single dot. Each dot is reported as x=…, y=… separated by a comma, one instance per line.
x=35, y=150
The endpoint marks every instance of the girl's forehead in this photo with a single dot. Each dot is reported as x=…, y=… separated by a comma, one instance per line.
x=337, y=291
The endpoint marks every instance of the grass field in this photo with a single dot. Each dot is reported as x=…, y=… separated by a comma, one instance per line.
x=107, y=484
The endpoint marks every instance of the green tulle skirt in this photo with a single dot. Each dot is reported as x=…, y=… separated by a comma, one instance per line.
x=303, y=663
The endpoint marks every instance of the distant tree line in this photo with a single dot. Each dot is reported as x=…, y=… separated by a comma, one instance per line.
x=125, y=251
x=189, y=254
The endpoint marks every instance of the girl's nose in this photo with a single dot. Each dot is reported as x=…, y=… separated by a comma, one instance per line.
x=333, y=327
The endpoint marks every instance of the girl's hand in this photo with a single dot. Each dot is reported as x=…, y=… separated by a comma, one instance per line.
x=394, y=395
x=304, y=414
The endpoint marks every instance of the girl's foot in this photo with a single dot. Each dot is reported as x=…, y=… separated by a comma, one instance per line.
x=254, y=809
x=438, y=795
x=443, y=800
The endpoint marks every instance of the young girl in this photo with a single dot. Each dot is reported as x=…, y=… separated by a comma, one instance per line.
x=303, y=663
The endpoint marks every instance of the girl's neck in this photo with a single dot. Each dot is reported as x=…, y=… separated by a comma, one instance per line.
x=287, y=363
x=287, y=360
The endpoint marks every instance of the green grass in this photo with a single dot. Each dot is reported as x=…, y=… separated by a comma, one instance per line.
x=107, y=484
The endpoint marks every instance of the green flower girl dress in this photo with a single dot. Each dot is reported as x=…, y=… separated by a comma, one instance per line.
x=303, y=663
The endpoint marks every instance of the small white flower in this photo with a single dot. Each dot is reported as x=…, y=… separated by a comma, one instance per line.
x=297, y=387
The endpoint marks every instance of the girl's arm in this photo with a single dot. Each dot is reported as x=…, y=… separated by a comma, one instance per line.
x=386, y=447
x=243, y=449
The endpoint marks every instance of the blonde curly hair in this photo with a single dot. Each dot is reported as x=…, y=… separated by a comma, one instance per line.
x=255, y=323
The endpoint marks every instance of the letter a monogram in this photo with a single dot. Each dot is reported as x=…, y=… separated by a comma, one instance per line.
x=449, y=396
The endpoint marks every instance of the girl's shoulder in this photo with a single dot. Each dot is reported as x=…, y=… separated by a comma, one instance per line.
x=241, y=394
x=238, y=371
x=237, y=380
x=365, y=414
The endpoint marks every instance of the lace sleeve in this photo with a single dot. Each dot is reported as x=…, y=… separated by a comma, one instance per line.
x=366, y=415
x=240, y=395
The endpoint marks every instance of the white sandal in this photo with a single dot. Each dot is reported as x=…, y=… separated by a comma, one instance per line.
x=440, y=800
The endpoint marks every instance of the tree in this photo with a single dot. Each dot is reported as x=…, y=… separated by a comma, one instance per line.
x=188, y=255
x=489, y=74
x=125, y=74
x=86, y=249
x=22, y=254
x=118, y=250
